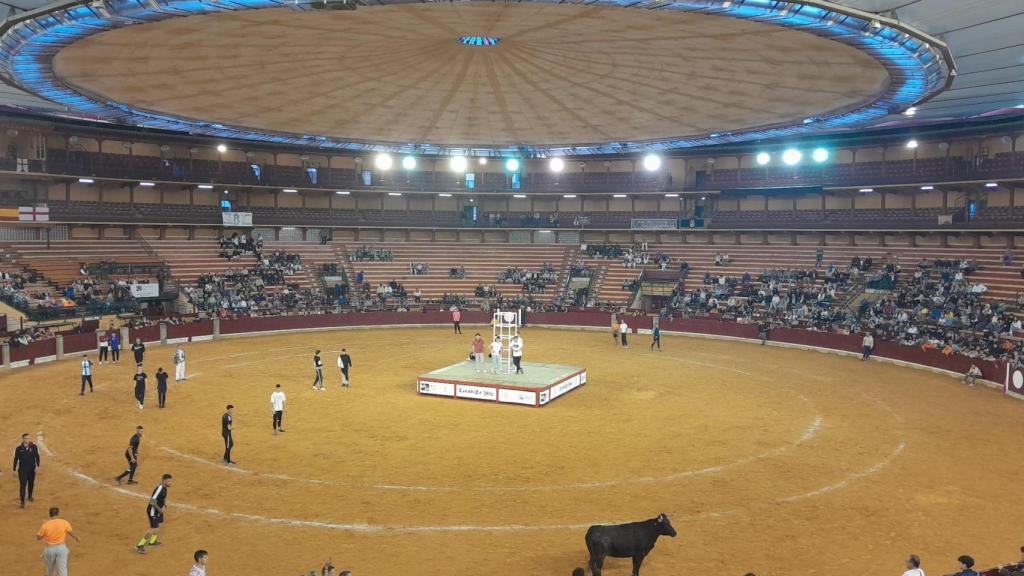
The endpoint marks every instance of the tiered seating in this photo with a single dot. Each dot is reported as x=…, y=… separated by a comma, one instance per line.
x=483, y=262
x=62, y=260
x=1004, y=282
x=191, y=258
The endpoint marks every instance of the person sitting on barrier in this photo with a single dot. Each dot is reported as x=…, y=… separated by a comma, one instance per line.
x=966, y=567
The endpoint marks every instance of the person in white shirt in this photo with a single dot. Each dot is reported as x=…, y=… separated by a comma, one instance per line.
x=277, y=400
x=496, y=355
x=868, y=343
x=86, y=374
x=972, y=375
x=517, y=352
x=179, y=364
x=623, y=330
x=199, y=568
x=913, y=566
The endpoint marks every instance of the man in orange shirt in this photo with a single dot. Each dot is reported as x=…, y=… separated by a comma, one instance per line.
x=55, y=531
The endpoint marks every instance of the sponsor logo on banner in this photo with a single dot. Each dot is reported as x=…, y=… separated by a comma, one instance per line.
x=236, y=218
x=565, y=386
x=476, y=392
x=517, y=397
x=436, y=388
x=151, y=290
x=653, y=224
x=545, y=397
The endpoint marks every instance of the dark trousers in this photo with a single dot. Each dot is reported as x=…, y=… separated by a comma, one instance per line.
x=84, y=380
x=115, y=354
x=867, y=353
x=516, y=360
x=26, y=480
x=318, y=380
x=229, y=443
x=140, y=397
x=344, y=376
x=458, y=327
x=161, y=395
x=103, y=353
x=623, y=336
x=138, y=360
x=278, y=416
x=130, y=472
x=657, y=342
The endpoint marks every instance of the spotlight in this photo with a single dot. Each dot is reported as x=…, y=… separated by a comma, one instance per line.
x=444, y=195
x=290, y=191
x=394, y=193
x=927, y=187
x=671, y=195
x=147, y=184
x=792, y=157
x=458, y=163
x=911, y=143
x=652, y=162
x=867, y=190
x=205, y=186
x=85, y=180
x=910, y=111
x=620, y=196
x=222, y=148
x=556, y=164
x=409, y=163
x=342, y=192
x=819, y=155
x=763, y=158
x=512, y=165
x=383, y=161
x=483, y=161
x=519, y=196
x=568, y=195
x=991, y=185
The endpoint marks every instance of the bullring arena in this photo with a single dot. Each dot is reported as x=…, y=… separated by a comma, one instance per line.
x=748, y=279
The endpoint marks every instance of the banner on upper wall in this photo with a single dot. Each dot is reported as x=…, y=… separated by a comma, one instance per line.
x=151, y=290
x=653, y=224
x=236, y=218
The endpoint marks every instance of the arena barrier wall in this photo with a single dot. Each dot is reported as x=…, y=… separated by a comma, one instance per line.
x=45, y=350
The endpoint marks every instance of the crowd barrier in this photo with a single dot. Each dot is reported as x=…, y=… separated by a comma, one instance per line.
x=47, y=350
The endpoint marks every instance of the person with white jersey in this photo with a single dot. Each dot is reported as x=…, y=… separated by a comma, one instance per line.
x=179, y=364
x=913, y=566
x=496, y=355
x=517, y=352
x=86, y=374
x=623, y=331
x=277, y=400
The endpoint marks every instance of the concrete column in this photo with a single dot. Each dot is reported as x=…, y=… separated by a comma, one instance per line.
x=126, y=342
x=98, y=334
x=654, y=322
x=163, y=332
x=6, y=354
x=216, y=328
x=60, y=347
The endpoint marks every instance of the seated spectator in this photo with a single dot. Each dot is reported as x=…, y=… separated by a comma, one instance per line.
x=966, y=567
x=972, y=375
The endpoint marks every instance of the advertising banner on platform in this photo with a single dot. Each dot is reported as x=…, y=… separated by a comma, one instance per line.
x=151, y=290
x=653, y=224
x=236, y=218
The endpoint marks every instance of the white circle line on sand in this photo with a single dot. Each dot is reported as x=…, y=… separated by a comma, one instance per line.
x=808, y=434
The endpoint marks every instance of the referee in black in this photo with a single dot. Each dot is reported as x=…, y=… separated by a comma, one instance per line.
x=344, y=362
x=131, y=454
x=318, y=367
x=140, y=386
x=26, y=460
x=139, y=350
x=161, y=387
x=226, y=426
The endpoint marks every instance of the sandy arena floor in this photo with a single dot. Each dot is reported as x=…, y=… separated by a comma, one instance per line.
x=769, y=460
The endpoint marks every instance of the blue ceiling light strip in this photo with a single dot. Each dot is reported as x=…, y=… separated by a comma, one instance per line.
x=919, y=67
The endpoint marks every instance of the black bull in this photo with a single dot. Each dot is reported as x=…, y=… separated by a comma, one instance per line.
x=634, y=540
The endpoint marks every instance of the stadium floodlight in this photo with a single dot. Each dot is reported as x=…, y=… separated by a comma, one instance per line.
x=867, y=190
x=568, y=195
x=445, y=195
x=910, y=111
x=290, y=191
x=409, y=162
x=652, y=162
x=206, y=186
x=927, y=187
x=147, y=184
x=620, y=195
x=483, y=161
x=792, y=157
x=85, y=180
x=342, y=192
x=458, y=163
x=671, y=195
x=991, y=185
x=556, y=164
x=383, y=161
x=819, y=155
x=911, y=143
x=763, y=158
x=222, y=148
x=520, y=196
x=512, y=165
x=394, y=193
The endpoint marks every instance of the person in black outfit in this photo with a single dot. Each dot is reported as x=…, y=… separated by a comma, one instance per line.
x=131, y=454
x=226, y=425
x=161, y=386
x=344, y=362
x=318, y=367
x=139, y=350
x=26, y=460
x=140, y=386
x=155, y=514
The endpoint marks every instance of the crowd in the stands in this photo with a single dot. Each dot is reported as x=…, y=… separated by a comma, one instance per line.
x=532, y=281
x=366, y=254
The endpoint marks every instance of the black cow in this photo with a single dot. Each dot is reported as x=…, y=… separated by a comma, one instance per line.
x=634, y=540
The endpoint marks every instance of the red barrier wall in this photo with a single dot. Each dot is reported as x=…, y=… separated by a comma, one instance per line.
x=993, y=371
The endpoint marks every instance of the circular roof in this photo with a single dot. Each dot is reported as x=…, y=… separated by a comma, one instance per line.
x=554, y=74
